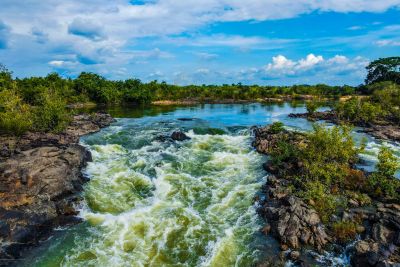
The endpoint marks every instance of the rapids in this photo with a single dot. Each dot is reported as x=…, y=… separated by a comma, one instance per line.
x=163, y=203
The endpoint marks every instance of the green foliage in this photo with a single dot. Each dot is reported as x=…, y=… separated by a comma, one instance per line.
x=388, y=163
x=284, y=152
x=50, y=114
x=358, y=110
x=344, y=231
x=382, y=182
x=384, y=69
x=319, y=196
x=328, y=153
x=312, y=106
x=15, y=116
x=276, y=127
x=6, y=81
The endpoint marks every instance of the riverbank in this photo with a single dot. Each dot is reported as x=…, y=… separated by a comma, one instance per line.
x=296, y=222
x=382, y=129
x=275, y=99
x=40, y=178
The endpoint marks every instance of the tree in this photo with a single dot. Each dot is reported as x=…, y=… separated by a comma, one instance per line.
x=312, y=106
x=6, y=80
x=384, y=69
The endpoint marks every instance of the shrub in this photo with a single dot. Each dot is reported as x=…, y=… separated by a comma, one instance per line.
x=322, y=200
x=276, y=127
x=328, y=154
x=312, y=106
x=344, y=231
x=51, y=114
x=382, y=182
x=15, y=116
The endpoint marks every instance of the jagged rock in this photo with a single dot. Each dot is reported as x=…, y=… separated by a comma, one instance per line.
x=179, y=136
x=39, y=176
x=294, y=255
x=291, y=221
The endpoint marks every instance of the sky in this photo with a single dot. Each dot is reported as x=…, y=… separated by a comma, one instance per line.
x=266, y=42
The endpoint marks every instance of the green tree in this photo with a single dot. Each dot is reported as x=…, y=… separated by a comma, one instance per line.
x=51, y=114
x=384, y=69
x=312, y=106
x=382, y=182
x=15, y=116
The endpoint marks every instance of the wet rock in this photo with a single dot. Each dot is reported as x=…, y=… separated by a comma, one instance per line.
x=294, y=255
x=179, y=136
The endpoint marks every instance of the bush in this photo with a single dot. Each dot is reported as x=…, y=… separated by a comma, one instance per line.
x=328, y=154
x=15, y=116
x=284, y=152
x=51, y=114
x=382, y=182
x=312, y=106
x=344, y=231
x=276, y=127
x=321, y=199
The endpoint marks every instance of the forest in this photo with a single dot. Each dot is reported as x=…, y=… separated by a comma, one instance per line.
x=43, y=103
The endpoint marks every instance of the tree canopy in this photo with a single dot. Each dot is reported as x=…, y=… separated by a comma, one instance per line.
x=384, y=69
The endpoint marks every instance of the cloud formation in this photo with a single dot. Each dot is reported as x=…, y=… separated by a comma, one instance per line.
x=4, y=35
x=110, y=37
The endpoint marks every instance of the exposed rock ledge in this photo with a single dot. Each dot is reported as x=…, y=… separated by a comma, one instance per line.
x=40, y=174
x=297, y=226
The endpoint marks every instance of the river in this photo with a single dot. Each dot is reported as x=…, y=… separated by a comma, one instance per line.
x=162, y=203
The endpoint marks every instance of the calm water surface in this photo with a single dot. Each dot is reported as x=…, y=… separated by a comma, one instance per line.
x=154, y=203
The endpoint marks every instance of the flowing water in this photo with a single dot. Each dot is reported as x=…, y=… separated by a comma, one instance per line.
x=151, y=202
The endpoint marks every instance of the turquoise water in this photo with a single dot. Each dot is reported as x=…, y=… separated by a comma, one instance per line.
x=161, y=203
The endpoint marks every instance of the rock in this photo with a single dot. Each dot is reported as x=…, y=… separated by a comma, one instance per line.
x=284, y=247
x=370, y=253
x=179, y=136
x=266, y=229
x=294, y=255
x=38, y=179
x=292, y=221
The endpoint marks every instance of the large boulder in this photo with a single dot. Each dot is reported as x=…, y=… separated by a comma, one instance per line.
x=179, y=136
x=33, y=187
x=40, y=178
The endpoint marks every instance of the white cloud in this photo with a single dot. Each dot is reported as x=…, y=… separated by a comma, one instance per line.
x=57, y=63
x=282, y=65
x=388, y=43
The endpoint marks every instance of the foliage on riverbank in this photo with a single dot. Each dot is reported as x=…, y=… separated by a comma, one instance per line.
x=382, y=105
x=39, y=103
x=320, y=166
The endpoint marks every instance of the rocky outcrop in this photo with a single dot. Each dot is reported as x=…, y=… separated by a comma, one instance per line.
x=385, y=132
x=40, y=174
x=80, y=125
x=380, y=244
x=296, y=225
x=289, y=219
x=319, y=115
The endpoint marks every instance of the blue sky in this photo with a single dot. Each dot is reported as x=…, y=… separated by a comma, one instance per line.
x=276, y=42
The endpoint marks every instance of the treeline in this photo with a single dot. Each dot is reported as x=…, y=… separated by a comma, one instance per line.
x=95, y=88
x=40, y=103
x=383, y=104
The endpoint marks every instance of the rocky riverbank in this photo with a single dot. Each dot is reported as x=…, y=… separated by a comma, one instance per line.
x=381, y=130
x=299, y=228
x=40, y=178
